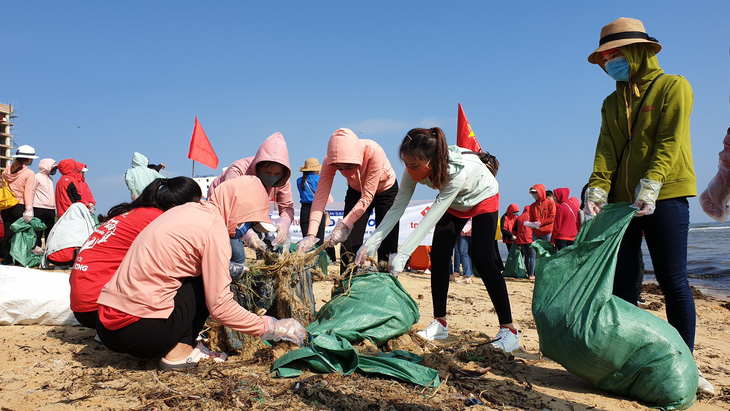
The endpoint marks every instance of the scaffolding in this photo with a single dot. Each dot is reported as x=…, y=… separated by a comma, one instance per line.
x=6, y=115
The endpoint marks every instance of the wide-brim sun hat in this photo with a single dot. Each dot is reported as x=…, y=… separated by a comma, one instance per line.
x=25, y=151
x=311, y=164
x=263, y=227
x=621, y=32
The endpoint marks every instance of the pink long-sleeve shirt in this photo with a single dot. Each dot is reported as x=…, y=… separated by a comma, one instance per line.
x=187, y=241
x=373, y=174
x=22, y=184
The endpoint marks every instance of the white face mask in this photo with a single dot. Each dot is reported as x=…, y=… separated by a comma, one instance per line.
x=535, y=196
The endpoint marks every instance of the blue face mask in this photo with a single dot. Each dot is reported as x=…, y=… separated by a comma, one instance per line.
x=241, y=231
x=268, y=180
x=618, y=69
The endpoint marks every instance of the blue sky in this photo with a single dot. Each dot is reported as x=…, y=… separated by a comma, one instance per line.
x=96, y=81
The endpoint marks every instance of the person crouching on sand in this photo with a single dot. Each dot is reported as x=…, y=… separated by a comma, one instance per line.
x=467, y=189
x=176, y=274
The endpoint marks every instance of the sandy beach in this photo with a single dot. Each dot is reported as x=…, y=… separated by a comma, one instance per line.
x=56, y=367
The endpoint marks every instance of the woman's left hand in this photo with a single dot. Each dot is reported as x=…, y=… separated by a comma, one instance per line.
x=338, y=234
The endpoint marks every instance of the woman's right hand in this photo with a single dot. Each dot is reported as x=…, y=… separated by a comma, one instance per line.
x=287, y=329
x=306, y=244
x=364, y=255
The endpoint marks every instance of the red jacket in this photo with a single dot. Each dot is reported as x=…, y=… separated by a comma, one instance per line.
x=543, y=211
x=83, y=187
x=520, y=230
x=508, y=222
x=68, y=183
x=566, y=216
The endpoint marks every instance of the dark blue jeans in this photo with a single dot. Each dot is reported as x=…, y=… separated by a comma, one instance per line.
x=666, y=237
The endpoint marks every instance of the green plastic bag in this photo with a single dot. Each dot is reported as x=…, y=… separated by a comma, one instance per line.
x=613, y=344
x=542, y=248
x=330, y=352
x=24, y=240
x=515, y=265
x=374, y=306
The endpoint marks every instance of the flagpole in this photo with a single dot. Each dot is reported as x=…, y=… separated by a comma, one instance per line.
x=193, y=176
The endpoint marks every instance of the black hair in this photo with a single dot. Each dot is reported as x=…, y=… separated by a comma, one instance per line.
x=305, y=174
x=156, y=167
x=18, y=163
x=162, y=193
x=429, y=144
x=549, y=193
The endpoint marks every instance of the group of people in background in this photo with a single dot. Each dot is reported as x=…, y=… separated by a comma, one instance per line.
x=172, y=255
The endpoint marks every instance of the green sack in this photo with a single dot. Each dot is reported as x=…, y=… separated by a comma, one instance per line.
x=515, y=265
x=613, y=344
x=330, y=352
x=542, y=248
x=24, y=240
x=374, y=306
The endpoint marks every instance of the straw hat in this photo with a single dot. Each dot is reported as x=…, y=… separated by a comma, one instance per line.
x=621, y=32
x=25, y=151
x=311, y=164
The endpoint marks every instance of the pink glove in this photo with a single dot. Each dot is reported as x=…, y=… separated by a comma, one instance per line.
x=28, y=215
x=715, y=198
x=338, y=234
x=287, y=329
x=306, y=244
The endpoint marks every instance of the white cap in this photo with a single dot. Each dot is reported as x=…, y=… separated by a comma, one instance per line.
x=25, y=151
x=263, y=227
x=83, y=170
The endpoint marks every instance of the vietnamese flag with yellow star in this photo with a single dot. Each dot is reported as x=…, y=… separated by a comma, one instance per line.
x=465, y=137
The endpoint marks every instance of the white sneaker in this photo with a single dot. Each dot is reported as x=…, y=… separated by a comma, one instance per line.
x=704, y=386
x=434, y=331
x=507, y=340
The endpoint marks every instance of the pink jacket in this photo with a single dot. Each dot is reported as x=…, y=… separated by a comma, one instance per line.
x=22, y=184
x=186, y=241
x=373, y=175
x=273, y=149
x=43, y=194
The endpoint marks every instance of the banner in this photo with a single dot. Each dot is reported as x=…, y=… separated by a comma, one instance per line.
x=411, y=217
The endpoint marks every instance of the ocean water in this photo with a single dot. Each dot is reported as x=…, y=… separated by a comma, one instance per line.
x=708, y=259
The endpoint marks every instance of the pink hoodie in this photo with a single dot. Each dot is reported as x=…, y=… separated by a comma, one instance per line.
x=22, y=184
x=43, y=194
x=186, y=241
x=373, y=175
x=273, y=149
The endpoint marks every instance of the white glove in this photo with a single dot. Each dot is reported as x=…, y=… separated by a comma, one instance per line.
x=364, y=254
x=715, y=198
x=533, y=224
x=306, y=244
x=397, y=263
x=287, y=329
x=92, y=208
x=595, y=199
x=253, y=241
x=338, y=234
x=282, y=235
x=28, y=215
x=646, y=193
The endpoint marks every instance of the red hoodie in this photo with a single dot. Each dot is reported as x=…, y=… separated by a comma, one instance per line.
x=523, y=232
x=508, y=222
x=83, y=187
x=543, y=211
x=566, y=216
x=69, y=177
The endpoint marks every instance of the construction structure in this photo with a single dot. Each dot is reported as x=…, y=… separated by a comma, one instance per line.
x=6, y=145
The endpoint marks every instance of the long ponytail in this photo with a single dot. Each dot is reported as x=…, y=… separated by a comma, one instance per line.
x=429, y=144
x=162, y=193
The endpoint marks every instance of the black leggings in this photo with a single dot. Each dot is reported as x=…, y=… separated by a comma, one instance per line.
x=48, y=217
x=87, y=319
x=381, y=204
x=9, y=216
x=484, y=227
x=154, y=337
x=304, y=212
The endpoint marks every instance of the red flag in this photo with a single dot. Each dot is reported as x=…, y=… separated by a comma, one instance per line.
x=200, y=148
x=465, y=137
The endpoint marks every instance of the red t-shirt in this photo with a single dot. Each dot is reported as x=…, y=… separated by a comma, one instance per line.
x=102, y=253
x=488, y=205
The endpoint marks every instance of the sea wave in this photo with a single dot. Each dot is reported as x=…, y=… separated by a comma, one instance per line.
x=709, y=228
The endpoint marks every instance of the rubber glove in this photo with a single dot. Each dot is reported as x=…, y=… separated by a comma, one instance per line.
x=397, y=263
x=595, y=198
x=533, y=224
x=92, y=208
x=287, y=329
x=646, y=194
x=282, y=235
x=236, y=270
x=715, y=198
x=365, y=253
x=338, y=234
x=28, y=215
x=306, y=244
x=253, y=241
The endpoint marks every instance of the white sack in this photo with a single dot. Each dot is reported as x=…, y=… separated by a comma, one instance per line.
x=29, y=296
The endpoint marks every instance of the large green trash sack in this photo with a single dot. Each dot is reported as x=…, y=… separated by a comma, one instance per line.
x=24, y=240
x=515, y=265
x=372, y=306
x=613, y=344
